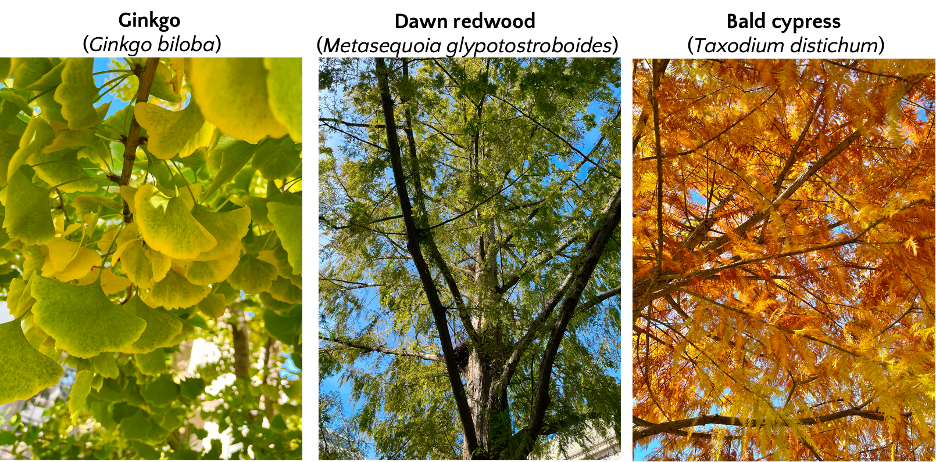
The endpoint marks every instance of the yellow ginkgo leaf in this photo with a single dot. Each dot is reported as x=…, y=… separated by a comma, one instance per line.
x=209, y=272
x=227, y=227
x=112, y=283
x=168, y=130
x=142, y=265
x=69, y=260
x=233, y=95
x=284, y=84
x=167, y=225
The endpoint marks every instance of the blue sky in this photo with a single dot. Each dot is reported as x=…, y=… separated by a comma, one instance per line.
x=332, y=383
x=101, y=64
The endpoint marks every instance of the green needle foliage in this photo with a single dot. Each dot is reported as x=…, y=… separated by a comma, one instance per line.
x=470, y=258
x=127, y=237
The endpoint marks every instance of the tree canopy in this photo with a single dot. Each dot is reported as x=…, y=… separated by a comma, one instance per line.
x=783, y=259
x=151, y=207
x=470, y=254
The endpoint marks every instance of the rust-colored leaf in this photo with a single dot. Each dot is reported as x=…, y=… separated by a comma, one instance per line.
x=784, y=259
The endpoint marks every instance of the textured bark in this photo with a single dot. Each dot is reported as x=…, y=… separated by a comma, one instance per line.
x=490, y=410
x=240, y=339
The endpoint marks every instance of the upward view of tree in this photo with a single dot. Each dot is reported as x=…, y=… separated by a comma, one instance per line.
x=152, y=207
x=784, y=259
x=470, y=266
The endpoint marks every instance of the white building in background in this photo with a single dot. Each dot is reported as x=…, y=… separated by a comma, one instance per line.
x=30, y=411
x=597, y=446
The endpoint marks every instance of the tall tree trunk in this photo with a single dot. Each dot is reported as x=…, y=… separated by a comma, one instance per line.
x=240, y=339
x=490, y=410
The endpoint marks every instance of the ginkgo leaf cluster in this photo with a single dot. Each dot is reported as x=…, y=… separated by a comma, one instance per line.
x=126, y=233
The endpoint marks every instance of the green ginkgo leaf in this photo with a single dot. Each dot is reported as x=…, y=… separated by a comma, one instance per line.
x=252, y=275
x=192, y=387
x=281, y=259
x=258, y=206
x=6, y=65
x=161, y=391
x=23, y=370
x=50, y=109
x=283, y=290
x=285, y=328
x=152, y=363
x=168, y=226
x=174, y=291
x=37, y=135
x=81, y=319
x=161, y=327
x=49, y=80
x=287, y=219
x=28, y=216
x=213, y=305
x=27, y=71
x=137, y=426
x=61, y=169
x=87, y=203
x=105, y=365
x=277, y=159
x=232, y=94
x=169, y=131
x=78, y=396
x=77, y=93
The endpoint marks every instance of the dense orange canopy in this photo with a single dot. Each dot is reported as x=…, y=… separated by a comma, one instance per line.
x=783, y=259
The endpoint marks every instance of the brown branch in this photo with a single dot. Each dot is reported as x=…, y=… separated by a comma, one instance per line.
x=701, y=230
x=380, y=349
x=659, y=67
x=846, y=66
x=778, y=184
x=775, y=326
x=350, y=124
x=412, y=245
x=704, y=144
x=133, y=138
x=551, y=132
x=669, y=427
x=638, y=130
x=787, y=193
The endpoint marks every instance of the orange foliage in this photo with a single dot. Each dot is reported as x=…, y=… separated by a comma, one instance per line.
x=784, y=259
